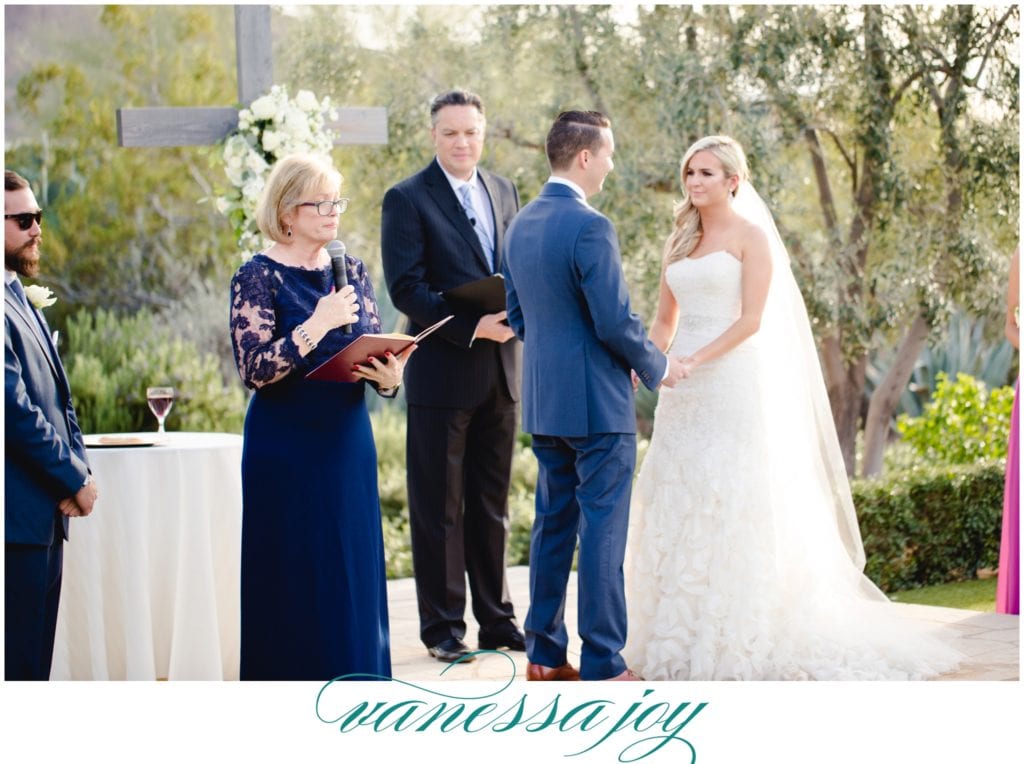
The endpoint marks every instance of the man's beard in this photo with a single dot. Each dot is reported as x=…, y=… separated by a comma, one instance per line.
x=24, y=260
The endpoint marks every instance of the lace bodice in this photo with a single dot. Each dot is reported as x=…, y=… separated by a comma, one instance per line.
x=269, y=299
x=708, y=290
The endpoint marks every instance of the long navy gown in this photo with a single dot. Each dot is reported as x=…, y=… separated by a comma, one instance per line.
x=314, y=602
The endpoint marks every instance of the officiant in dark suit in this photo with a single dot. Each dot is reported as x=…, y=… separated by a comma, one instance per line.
x=46, y=472
x=442, y=228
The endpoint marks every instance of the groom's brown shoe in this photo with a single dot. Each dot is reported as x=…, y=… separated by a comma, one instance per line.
x=564, y=673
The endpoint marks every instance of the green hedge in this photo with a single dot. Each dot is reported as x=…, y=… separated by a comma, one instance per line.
x=112, y=359
x=931, y=525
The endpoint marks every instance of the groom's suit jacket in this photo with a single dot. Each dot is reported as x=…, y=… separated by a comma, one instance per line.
x=44, y=457
x=567, y=301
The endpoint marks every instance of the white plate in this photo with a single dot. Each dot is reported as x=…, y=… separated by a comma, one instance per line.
x=122, y=441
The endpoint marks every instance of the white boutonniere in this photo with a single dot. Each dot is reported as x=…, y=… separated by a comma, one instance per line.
x=40, y=296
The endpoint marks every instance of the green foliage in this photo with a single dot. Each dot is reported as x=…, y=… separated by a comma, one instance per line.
x=963, y=422
x=122, y=229
x=931, y=525
x=968, y=345
x=112, y=360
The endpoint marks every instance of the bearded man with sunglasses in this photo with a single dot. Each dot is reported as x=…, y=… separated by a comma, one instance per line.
x=46, y=471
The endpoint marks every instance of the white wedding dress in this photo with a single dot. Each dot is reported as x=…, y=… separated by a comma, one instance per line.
x=736, y=565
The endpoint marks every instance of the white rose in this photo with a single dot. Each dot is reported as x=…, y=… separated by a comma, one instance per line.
x=40, y=296
x=271, y=140
x=252, y=188
x=263, y=107
x=256, y=163
x=306, y=100
x=223, y=205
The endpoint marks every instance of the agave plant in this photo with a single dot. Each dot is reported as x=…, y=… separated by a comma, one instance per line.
x=966, y=347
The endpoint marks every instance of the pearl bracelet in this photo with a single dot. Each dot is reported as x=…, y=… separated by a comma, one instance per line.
x=305, y=337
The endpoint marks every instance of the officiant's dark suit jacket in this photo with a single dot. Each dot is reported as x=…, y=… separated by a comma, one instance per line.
x=44, y=462
x=428, y=245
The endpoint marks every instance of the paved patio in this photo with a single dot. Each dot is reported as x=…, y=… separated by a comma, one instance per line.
x=991, y=641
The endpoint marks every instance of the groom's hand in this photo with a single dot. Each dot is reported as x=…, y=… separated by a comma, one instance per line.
x=490, y=327
x=677, y=369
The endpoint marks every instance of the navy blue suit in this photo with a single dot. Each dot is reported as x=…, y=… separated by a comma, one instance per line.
x=462, y=398
x=567, y=301
x=44, y=462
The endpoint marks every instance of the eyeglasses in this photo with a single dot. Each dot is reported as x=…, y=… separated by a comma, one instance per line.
x=26, y=219
x=326, y=208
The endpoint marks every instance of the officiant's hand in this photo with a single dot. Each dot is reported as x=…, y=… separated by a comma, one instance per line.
x=386, y=375
x=492, y=327
x=333, y=310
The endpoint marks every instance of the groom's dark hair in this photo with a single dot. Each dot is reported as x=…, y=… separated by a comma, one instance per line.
x=572, y=132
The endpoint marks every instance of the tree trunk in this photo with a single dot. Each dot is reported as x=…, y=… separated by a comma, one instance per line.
x=845, y=383
x=887, y=395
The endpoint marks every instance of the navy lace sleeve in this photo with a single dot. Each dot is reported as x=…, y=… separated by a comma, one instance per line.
x=369, y=320
x=268, y=300
x=261, y=355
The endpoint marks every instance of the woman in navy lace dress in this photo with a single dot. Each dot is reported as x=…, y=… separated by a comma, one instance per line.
x=314, y=603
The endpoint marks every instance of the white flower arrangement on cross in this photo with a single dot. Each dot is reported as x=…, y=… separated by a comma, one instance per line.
x=272, y=127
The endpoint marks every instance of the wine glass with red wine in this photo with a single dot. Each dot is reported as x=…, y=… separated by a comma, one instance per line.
x=160, y=400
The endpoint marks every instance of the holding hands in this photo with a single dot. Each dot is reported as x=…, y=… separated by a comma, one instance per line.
x=678, y=369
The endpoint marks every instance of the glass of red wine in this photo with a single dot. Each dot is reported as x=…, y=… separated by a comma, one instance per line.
x=160, y=400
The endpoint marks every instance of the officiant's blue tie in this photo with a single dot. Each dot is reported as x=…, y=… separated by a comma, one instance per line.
x=478, y=226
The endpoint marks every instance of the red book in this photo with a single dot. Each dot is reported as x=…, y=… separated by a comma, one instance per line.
x=338, y=368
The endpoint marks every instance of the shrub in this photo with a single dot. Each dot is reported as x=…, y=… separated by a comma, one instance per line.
x=963, y=422
x=930, y=525
x=113, y=359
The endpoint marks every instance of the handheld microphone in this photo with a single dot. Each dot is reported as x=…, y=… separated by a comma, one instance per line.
x=336, y=250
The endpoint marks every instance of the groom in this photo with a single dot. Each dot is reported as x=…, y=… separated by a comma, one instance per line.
x=567, y=301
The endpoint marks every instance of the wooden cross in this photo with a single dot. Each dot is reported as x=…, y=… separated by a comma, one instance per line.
x=200, y=126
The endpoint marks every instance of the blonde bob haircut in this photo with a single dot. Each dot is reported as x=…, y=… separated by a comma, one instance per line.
x=292, y=181
x=687, y=229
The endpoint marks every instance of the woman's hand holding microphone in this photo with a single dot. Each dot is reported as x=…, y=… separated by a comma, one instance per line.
x=339, y=308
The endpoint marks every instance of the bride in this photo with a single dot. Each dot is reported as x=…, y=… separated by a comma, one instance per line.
x=745, y=559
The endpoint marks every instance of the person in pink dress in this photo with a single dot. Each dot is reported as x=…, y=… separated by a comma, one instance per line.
x=1008, y=584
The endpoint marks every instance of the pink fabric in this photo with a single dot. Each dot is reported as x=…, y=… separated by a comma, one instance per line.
x=1008, y=585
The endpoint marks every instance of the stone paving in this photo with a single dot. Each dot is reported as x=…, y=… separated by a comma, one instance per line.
x=991, y=641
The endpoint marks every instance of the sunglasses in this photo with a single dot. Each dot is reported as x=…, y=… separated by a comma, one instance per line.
x=26, y=219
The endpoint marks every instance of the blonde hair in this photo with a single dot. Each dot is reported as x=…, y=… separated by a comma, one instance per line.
x=293, y=179
x=687, y=229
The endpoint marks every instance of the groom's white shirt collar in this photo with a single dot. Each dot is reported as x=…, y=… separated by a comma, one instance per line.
x=570, y=184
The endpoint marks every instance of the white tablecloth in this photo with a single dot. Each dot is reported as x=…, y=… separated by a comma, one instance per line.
x=151, y=577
